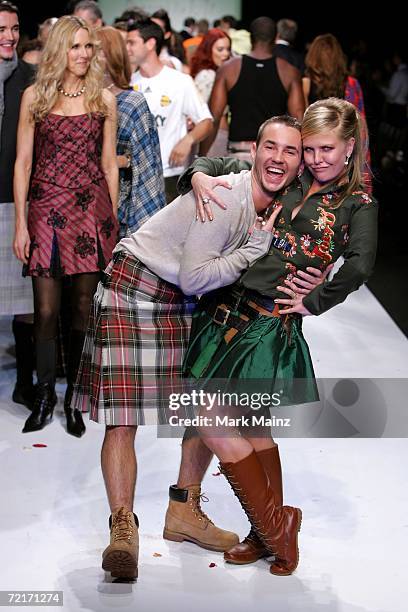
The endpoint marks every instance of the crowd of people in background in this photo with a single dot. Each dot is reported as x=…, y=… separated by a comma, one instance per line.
x=380, y=86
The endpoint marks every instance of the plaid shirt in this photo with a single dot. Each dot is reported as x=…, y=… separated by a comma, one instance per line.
x=142, y=186
x=353, y=93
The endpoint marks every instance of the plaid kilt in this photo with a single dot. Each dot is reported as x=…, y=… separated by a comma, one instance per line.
x=137, y=336
x=16, y=292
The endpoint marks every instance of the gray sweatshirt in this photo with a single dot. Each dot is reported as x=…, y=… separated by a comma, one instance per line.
x=199, y=257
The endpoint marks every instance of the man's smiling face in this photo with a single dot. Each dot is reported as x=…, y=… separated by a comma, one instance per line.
x=9, y=34
x=277, y=157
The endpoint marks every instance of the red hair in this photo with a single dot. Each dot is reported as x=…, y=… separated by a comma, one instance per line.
x=202, y=58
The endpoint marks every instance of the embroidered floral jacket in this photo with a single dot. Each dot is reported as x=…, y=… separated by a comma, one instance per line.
x=317, y=236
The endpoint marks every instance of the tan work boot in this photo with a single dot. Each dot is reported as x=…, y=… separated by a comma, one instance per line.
x=121, y=556
x=185, y=520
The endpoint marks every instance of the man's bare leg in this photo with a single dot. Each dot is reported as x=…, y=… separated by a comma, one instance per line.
x=195, y=459
x=184, y=517
x=118, y=460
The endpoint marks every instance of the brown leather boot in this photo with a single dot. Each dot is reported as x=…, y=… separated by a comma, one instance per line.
x=120, y=558
x=252, y=548
x=185, y=520
x=276, y=526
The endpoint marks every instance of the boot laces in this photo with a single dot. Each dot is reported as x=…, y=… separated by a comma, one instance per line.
x=252, y=537
x=122, y=527
x=257, y=526
x=196, y=498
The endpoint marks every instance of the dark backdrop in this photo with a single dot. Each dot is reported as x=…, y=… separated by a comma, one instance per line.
x=382, y=25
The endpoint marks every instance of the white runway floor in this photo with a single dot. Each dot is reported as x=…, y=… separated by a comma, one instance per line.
x=353, y=493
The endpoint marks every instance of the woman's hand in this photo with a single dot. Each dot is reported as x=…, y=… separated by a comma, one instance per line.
x=297, y=288
x=203, y=188
x=313, y=277
x=21, y=244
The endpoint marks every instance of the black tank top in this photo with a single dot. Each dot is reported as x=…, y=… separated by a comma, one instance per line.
x=257, y=95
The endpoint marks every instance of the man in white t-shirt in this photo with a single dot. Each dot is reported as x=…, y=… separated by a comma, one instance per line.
x=172, y=98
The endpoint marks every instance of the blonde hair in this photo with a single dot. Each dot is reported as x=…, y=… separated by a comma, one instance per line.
x=342, y=116
x=53, y=64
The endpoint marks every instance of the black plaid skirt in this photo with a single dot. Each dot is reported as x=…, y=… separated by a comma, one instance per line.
x=133, y=352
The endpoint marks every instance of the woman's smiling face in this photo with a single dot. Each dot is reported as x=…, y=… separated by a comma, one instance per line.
x=325, y=155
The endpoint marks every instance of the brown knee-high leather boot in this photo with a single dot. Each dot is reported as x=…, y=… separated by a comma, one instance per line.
x=277, y=526
x=252, y=548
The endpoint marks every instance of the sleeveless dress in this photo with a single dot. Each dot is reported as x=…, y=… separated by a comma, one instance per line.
x=70, y=218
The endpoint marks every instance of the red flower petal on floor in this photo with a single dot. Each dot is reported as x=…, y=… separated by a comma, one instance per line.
x=217, y=474
x=40, y=445
x=212, y=565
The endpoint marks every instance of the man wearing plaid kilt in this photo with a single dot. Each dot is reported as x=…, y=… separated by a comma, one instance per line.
x=137, y=336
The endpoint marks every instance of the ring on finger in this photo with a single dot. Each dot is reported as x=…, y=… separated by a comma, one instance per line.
x=206, y=200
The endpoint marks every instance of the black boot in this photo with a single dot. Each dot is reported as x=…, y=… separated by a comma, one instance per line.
x=43, y=407
x=75, y=424
x=45, y=397
x=24, y=390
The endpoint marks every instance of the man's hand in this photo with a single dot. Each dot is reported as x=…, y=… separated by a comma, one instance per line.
x=181, y=151
x=269, y=225
x=203, y=188
x=299, y=287
x=295, y=305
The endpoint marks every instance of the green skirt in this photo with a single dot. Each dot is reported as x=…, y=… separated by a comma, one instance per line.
x=263, y=356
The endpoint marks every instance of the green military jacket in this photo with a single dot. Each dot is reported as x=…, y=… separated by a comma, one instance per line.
x=317, y=236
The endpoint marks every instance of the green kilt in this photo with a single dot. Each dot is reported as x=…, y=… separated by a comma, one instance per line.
x=268, y=353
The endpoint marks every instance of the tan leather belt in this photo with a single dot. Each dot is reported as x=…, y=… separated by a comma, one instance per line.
x=222, y=314
x=264, y=311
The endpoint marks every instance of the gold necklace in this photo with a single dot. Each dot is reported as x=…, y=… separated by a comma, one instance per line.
x=72, y=95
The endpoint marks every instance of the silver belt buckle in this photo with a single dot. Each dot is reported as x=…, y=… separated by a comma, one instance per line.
x=221, y=315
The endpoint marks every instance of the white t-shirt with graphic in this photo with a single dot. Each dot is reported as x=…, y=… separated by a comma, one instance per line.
x=171, y=97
